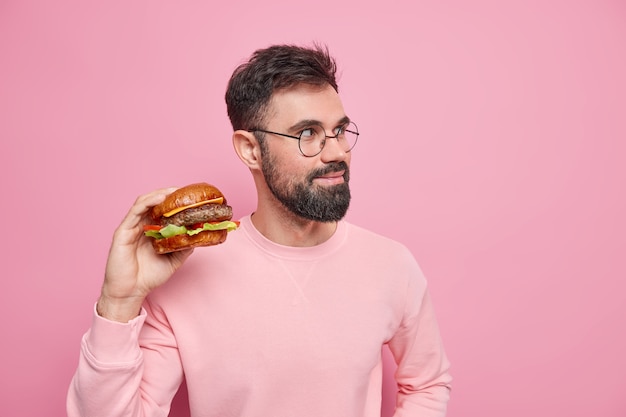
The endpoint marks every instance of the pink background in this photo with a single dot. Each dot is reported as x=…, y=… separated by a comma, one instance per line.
x=493, y=141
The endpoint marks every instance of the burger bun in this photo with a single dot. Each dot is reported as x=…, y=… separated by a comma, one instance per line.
x=185, y=196
x=184, y=241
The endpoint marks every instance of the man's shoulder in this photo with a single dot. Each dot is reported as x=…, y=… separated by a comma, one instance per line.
x=369, y=233
x=377, y=240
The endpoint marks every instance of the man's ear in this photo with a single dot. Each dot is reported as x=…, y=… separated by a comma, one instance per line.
x=247, y=148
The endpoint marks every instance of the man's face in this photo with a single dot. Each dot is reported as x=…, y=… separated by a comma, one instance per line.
x=315, y=188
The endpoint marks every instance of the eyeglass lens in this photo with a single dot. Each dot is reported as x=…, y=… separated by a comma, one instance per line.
x=312, y=140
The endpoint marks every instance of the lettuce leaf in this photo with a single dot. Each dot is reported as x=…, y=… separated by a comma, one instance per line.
x=173, y=230
x=226, y=224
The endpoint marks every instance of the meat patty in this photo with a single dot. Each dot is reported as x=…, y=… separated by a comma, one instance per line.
x=205, y=213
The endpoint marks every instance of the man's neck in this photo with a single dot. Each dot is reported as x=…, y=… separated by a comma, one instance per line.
x=291, y=230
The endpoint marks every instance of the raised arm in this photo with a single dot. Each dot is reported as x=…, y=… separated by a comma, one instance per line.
x=110, y=379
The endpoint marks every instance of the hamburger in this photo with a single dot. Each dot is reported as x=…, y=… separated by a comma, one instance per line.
x=192, y=216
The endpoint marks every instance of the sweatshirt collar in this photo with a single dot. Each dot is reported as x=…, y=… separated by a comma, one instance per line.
x=294, y=252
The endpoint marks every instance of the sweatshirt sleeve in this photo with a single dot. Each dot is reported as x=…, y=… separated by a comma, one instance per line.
x=110, y=380
x=422, y=366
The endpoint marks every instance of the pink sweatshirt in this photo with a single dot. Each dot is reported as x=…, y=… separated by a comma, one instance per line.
x=263, y=330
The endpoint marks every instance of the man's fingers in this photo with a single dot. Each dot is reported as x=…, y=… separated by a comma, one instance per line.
x=143, y=204
x=130, y=229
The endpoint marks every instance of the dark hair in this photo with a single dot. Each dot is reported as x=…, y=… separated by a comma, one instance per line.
x=268, y=70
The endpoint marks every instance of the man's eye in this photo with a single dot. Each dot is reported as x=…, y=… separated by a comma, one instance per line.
x=308, y=133
x=340, y=130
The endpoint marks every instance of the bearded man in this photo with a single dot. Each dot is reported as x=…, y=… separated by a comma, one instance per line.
x=288, y=317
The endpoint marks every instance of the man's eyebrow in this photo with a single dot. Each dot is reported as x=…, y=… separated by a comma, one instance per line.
x=302, y=124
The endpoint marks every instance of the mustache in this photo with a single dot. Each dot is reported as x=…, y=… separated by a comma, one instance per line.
x=330, y=168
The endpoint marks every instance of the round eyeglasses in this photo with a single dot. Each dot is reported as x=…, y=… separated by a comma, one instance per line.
x=312, y=139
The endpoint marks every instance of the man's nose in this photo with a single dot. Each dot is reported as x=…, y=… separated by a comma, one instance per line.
x=333, y=150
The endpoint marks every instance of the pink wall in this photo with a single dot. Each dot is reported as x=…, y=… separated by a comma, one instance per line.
x=493, y=140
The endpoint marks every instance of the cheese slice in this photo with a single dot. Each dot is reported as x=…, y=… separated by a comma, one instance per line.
x=218, y=200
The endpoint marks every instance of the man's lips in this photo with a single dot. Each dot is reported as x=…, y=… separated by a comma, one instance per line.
x=331, y=177
x=335, y=173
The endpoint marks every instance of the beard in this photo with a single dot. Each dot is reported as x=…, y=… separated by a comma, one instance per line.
x=305, y=199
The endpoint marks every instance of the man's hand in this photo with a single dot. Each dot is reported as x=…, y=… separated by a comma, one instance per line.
x=133, y=268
